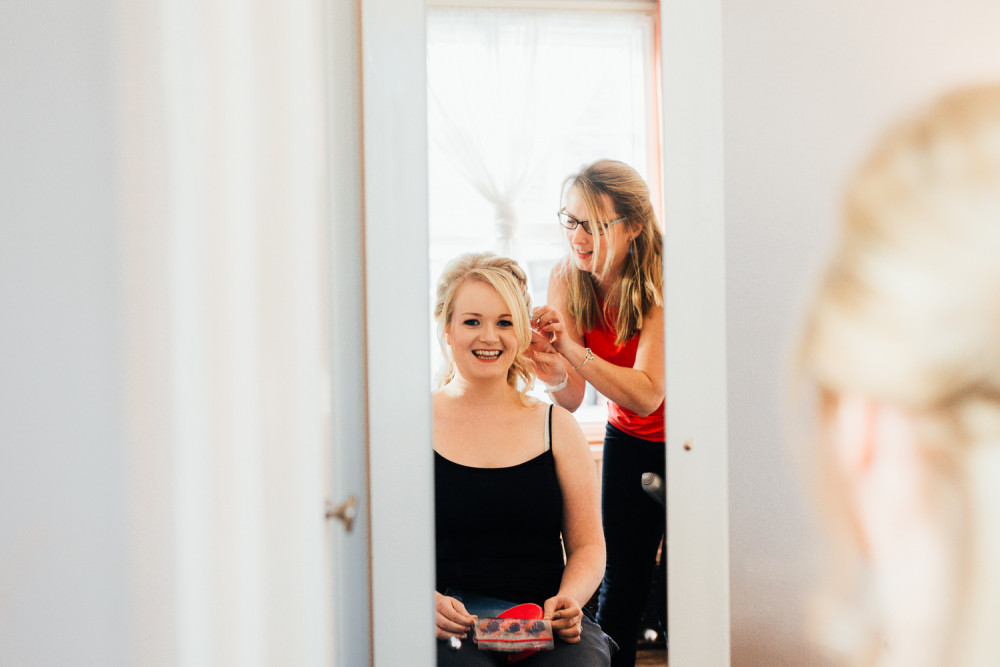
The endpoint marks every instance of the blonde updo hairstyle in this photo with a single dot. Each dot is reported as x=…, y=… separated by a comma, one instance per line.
x=641, y=284
x=509, y=280
x=907, y=313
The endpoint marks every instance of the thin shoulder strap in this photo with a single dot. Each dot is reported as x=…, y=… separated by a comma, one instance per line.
x=548, y=428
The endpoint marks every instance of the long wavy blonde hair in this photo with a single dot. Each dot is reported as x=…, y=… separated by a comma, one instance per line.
x=908, y=313
x=641, y=282
x=509, y=280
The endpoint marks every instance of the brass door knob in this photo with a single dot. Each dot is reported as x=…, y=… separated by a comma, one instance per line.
x=345, y=512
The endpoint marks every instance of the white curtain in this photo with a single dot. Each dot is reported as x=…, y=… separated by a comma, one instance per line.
x=505, y=89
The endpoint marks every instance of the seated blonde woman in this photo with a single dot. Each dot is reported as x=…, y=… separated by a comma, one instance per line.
x=514, y=478
x=903, y=342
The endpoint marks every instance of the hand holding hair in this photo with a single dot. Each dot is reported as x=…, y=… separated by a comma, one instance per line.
x=549, y=322
x=547, y=363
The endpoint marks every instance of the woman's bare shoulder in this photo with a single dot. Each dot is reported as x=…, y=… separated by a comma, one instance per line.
x=439, y=399
x=557, y=276
x=565, y=427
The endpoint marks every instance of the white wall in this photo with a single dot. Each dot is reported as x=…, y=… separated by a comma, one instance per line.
x=63, y=540
x=807, y=88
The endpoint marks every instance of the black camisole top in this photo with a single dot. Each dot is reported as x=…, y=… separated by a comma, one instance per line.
x=498, y=530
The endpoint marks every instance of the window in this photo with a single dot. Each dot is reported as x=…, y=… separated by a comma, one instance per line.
x=517, y=101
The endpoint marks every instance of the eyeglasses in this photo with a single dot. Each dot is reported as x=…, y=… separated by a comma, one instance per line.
x=571, y=223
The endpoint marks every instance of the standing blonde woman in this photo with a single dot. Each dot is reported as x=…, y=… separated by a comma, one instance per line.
x=604, y=320
x=514, y=480
x=902, y=341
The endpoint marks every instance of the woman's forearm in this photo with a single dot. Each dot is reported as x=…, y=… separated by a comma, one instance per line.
x=570, y=396
x=583, y=573
x=630, y=388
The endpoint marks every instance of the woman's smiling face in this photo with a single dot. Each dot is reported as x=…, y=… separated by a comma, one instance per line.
x=586, y=253
x=481, y=333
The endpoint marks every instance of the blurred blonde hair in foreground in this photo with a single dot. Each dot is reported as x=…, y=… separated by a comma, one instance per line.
x=907, y=315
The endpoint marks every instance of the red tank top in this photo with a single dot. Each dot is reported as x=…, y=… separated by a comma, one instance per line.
x=601, y=341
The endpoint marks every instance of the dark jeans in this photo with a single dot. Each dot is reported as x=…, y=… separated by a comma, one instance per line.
x=634, y=524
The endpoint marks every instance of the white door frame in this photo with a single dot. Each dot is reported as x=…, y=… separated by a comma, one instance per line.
x=694, y=285
x=393, y=73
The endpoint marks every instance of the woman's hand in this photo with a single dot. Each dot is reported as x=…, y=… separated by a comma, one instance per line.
x=452, y=618
x=547, y=362
x=550, y=323
x=566, y=617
